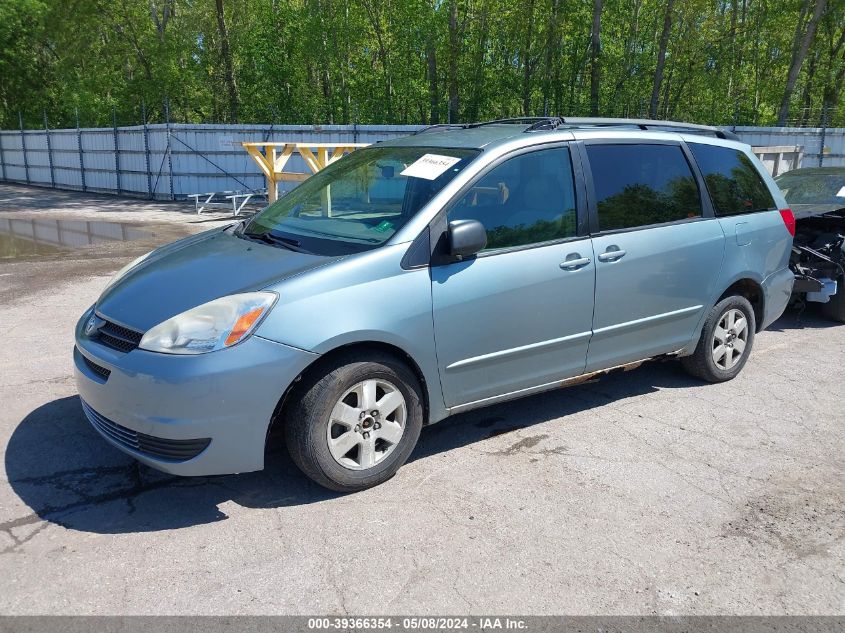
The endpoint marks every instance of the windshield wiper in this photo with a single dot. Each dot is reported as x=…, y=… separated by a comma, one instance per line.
x=239, y=227
x=370, y=240
x=277, y=240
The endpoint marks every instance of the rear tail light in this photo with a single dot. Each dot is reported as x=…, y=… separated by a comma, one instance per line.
x=788, y=220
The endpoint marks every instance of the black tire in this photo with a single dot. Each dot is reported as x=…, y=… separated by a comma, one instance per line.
x=701, y=363
x=835, y=308
x=308, y=417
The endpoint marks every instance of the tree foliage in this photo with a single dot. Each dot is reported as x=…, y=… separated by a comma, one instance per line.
x=421, y=61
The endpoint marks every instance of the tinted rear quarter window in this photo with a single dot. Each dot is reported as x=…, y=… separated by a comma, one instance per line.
x=642, y=184
x=734, y=184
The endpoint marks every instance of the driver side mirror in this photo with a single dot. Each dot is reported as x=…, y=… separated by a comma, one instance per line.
x=466, y=238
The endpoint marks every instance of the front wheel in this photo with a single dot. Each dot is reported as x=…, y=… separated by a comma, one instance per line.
x=353, y=424
x=725, y=343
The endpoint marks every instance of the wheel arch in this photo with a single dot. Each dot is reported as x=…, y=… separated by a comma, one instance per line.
x=752, y=290
x=354, y=348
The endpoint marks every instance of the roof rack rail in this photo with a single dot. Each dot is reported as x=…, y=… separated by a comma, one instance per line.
x=546, y=123
x=442, y=127
x=651, y=124
x=531, y=120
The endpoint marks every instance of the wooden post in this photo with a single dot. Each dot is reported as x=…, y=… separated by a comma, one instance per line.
x=275, y=156
x=272, y=183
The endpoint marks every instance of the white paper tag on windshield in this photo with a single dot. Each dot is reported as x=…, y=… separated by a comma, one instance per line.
x=430, y=166
x=841, y=193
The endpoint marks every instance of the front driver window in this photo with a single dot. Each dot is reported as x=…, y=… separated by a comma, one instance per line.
x=527, y=199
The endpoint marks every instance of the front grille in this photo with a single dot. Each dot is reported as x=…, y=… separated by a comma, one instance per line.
x=102, y=372
x=118, y=337
x=158, y=447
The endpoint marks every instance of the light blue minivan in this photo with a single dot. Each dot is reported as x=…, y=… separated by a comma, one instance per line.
x=432, y=274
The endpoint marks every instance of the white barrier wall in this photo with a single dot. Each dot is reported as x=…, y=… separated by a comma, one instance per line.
x=136, y=161
x=203, y=158
x=817, y=142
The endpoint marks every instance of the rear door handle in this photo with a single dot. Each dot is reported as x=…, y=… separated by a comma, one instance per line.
x=574, y=262
x=611, y=255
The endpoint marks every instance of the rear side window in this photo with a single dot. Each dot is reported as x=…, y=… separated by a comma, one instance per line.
x=733, y=181
x=528, y=199
x=642, y=184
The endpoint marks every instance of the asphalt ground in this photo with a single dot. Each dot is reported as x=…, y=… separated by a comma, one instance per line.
x=641, y=493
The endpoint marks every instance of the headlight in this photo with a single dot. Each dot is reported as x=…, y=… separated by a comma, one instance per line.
x=211, y=326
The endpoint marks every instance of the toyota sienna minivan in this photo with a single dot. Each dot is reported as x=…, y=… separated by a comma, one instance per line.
x=417, y=278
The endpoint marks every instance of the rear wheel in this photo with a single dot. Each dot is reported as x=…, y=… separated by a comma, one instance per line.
x=725, y=343
x=353, y=424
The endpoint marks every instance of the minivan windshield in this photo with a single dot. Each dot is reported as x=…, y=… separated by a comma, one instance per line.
x=813, y=188
x=359, y=202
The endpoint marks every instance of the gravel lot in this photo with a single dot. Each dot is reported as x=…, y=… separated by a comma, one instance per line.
x=641, y=493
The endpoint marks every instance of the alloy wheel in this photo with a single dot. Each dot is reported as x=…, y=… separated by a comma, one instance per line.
x=730, y=338
x=366, y=424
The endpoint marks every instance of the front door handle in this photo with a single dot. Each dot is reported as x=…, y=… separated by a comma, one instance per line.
x=612, y=254
x=574, y=261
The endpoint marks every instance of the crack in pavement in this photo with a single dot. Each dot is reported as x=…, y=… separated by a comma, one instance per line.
x=72, y=481
x=19, y=542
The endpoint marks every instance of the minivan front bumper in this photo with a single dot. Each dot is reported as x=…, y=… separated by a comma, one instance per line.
x=204, y=414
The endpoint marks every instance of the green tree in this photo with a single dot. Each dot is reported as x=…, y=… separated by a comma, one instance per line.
x=421, y=61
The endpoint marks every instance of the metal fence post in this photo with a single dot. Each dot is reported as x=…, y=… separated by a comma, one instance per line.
x=116, y=149
x=81, y=156
x=169, y=152
x=2, y=156
x=824, y=134
x=23, y=148
x=273, y=117
x=147, y=150
x=49, y=151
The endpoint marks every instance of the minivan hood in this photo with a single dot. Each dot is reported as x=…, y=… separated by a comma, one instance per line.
x=193, y=271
